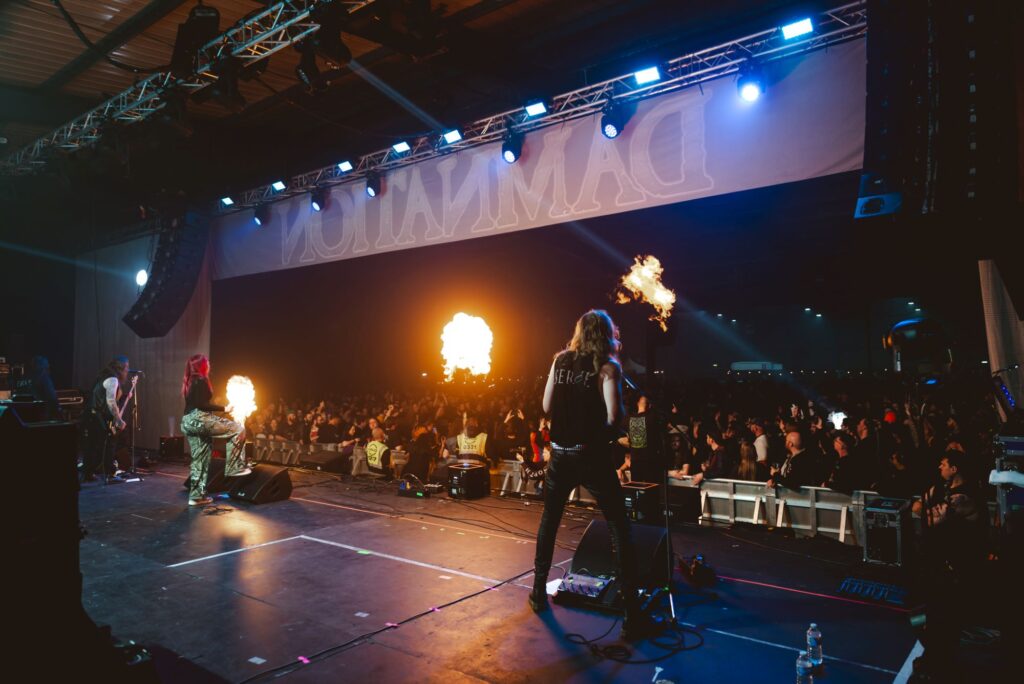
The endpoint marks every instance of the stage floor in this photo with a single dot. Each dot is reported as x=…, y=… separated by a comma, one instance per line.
x=232, y=590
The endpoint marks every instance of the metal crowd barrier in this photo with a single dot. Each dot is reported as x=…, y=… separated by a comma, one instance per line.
x=809, y=511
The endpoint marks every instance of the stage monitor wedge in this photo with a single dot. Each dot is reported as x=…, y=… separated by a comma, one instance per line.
x=180, y=251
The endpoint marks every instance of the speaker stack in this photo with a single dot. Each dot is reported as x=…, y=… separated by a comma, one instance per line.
x=181, y=248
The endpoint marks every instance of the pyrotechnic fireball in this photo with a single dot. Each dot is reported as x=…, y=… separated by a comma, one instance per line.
x=466, y=343
x=643, y=283
x=241, y=397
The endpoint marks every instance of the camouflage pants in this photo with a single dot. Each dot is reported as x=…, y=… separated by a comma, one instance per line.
x=201, y=427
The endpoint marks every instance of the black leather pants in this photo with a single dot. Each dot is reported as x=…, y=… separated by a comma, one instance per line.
x=594, y=469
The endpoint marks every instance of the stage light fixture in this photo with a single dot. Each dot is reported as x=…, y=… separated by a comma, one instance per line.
x=807, y=309
x=750, y=84
x=401, y=147
x=225, y=90
x=141, y=278
x=278, y=186
x=612, y=120
x=318, y=198
x=345, y=166
x=512, y=146
x=648, y=75
x=328, y=39
x=536, y=108
x=817, y=315
x=797, y=28
x=227, y=201
x=261, y=214
x=307, y=71
x=373, y=184
x=452, y=136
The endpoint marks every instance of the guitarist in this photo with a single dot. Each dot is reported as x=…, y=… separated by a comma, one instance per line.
x=109, y=396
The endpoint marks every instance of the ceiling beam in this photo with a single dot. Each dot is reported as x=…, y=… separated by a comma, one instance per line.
x=125, y=31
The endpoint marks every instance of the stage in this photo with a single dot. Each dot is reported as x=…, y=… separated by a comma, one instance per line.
x=230, y=591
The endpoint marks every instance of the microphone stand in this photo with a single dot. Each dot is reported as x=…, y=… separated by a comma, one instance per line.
x=670, y=554
x=133, y=475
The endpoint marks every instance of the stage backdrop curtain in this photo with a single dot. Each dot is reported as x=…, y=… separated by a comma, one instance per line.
x=105, y=290
x=1005, y=332
x=693, y=143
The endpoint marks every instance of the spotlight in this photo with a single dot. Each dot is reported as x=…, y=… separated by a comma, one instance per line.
x=307, y=70
x=141, y=278
x=750, y=84
x=225, y=90
x=227, y=201
x=612, y=121
x=817, y=315
x=261, y=214
x=807, y=309
x=318, y=198
x=345, y=166
x=452, y=136
x=278, y=186
x=401, y=147
x=797, y=28
x=648, y=75
x=373, y=184
x=512, y=147
x=536, y=108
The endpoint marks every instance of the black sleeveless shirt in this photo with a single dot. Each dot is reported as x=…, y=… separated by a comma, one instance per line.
x=578, y=411
x=99, y=396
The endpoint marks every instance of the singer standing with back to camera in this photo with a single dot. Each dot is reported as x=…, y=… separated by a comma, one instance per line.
x=201, y=425
x=583, y=396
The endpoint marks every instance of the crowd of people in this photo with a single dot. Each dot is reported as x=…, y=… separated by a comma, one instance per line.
x=852, y=433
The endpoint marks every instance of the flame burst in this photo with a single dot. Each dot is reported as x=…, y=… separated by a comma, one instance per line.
x=466, y=344
x=241, y=397
x=643, y=283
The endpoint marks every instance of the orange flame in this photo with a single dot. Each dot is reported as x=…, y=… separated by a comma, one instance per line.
x=466, y=344
x=241, y=397
x=643, y=283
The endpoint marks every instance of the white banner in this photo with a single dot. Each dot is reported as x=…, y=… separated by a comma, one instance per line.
x=694, y=143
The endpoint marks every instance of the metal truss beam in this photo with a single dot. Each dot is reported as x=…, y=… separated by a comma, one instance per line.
x=837, y=25
x=250, y=40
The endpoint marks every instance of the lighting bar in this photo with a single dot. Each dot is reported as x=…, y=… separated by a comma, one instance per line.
x=252, y=39
x=227, y=201
x=536, y=109
x=453, y=136
x=401, y=147
x=278, y=185
x=648, y=75
x=797, y=28
x=837, y=25
x=345, y=166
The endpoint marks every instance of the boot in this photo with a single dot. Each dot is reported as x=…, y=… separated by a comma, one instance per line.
x=637, y=624
x=538, y=598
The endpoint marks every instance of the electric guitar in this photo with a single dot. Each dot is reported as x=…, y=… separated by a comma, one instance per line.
x=112, y=424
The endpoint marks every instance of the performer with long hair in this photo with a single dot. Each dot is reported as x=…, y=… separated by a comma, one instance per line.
x=583, y=396
x=109, y=395
x=200, y=425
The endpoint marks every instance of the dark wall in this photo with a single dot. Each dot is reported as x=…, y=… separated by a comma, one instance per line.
x=38, y=311
x=760, y=257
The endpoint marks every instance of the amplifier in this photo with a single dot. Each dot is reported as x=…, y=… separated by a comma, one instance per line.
x=642, y=501
x=468, y=481
x=172, y=449
x=888, y=531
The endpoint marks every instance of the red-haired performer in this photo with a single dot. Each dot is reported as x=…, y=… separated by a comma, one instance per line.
x=583, y=396
x=200, y=425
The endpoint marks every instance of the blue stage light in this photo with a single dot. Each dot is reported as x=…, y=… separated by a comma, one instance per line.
x=797, y=28
x=345, y=166
x=750, y=88
x=648, y=75
x=401, y=147
x=373, y=184
x=227, y=201
x=261, y=214
x=452, y=136
x=278, y=185
x=141, y=278
x=613, y=120
x=536, y=108
x=318, y=198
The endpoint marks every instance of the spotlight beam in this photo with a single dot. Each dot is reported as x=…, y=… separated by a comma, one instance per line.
x=395, y=96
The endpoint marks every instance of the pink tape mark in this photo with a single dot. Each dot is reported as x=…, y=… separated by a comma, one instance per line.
x=304, y=660
x=393, y=625
x=435, y=610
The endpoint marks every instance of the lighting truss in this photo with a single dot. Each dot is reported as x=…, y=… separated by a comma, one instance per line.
x=279, y=25
x=834, y=26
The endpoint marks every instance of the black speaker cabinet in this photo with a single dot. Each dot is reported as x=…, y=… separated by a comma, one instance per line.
x=265, y=484
x=643, y=501
x=172, y=448
x=594, y=554
x=328, y=461
x=468, y=481
x=888, y=531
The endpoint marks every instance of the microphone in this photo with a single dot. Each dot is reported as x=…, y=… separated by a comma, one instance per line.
x=135, y=371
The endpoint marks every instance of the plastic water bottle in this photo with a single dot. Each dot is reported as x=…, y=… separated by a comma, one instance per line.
x=814, y=645
x=804, y=669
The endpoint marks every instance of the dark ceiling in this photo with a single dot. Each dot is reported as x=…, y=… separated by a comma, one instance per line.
x=457, y=61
